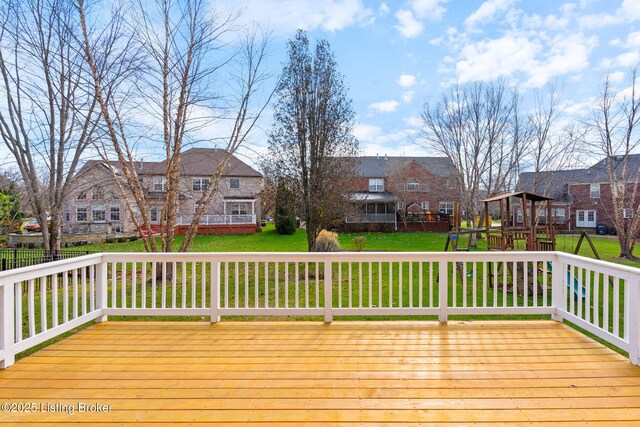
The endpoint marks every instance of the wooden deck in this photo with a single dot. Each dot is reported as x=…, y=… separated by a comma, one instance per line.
x=494, y=373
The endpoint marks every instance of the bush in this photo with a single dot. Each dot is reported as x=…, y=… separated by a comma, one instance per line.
x=133, y=238
x=122, y=239
x=359, y=242
x=285, y=215
x=110, y=240
x=327, y=241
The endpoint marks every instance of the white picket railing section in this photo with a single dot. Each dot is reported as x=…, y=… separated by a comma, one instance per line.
x=41, y=302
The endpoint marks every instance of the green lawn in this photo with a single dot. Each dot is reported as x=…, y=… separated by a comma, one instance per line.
x=269, y=241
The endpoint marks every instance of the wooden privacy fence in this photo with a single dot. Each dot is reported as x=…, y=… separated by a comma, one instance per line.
x=44, y=301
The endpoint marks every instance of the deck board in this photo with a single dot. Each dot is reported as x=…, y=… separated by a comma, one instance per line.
x=270, y=373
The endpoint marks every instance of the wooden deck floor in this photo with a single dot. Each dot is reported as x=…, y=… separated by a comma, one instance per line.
x=494, y=373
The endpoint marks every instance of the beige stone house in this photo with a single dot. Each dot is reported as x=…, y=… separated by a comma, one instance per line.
x=96, y=202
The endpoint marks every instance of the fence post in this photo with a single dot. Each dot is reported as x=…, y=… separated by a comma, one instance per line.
x=558, y=300
x=634, y=321
x=328, y=291
x=7, y=338
x=215, y=291
x=443, y=290
x=101, y=290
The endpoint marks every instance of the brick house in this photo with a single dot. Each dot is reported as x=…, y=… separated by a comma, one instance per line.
x=403, y=193
x=96, y=202
x=582, y=197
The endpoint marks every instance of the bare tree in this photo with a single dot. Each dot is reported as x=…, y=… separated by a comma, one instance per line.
x=179, y=43
x=49, y=116
x=479, y=128
x=615, y=123
x=311, y=140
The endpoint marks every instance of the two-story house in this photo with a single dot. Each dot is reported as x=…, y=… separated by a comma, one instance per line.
x=402, y=193
x=97, y=200
x=582, y=198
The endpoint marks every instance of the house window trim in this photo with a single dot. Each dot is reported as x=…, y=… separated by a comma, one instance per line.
x=112, y=210
x=423, y=204
x=594, y=191
x=95, y=217
x=447, y=209
x=376, y=185
x=231, y=180
x=202, y=183
x=413, y=185
x=86, y=213
x=160, y=183
x=585, y=222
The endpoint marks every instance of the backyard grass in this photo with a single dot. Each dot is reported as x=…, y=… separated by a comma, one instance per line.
x=269, y=241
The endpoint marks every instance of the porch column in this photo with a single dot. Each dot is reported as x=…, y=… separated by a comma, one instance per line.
x=395, y=218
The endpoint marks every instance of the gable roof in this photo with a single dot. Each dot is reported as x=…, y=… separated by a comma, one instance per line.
x=195, y=162
x=555, y=184
x=383, y=166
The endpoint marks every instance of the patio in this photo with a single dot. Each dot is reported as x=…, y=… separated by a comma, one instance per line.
x=432, y=370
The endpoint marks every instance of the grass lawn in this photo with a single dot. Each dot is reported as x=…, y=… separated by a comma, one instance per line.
x=269, y=241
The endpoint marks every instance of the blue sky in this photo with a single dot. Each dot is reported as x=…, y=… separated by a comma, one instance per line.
x=397, y=54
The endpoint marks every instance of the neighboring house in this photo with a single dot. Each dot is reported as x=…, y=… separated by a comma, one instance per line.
x=582, y=197
x=96, y=202
x=395, y=193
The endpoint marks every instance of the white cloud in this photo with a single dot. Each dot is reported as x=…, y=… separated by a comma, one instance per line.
x=384, y=106
x=406, y=80
x=383, y=10
x=413, y=121
x=428, y=9
x=628, y=59
x=407, y=25
x=329, y=15
x=629, y=11
x=632, y=41
x=487, y=11
x=407, y=96
x=617, y=77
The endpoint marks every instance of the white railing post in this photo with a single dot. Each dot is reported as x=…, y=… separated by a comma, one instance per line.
x=328, y=291
x=634, y=321
x=215, y=291
x=7, y=338
x=101, y=290
x=558, y=277
x=443, y=290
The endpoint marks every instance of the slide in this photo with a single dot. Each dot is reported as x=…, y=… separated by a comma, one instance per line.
x=577, y=288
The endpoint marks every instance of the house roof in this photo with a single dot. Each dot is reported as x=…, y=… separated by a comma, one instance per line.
x=195, y=162
x=555, y=183
x=383, y=166
x=378, y=197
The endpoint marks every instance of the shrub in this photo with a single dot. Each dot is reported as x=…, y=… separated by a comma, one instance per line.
x=285, y=215
x=110, y=240
x=359, y=242
x=327, y=241
x=122, y=239
x=133, y=238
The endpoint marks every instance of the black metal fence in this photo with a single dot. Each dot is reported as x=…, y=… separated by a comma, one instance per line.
x=16, y=258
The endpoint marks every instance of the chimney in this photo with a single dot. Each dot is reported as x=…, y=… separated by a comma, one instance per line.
x=385, y=156
x=377, y=156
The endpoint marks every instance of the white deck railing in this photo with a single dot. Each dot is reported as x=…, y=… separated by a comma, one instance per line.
x=218, y=219
x=42, y=302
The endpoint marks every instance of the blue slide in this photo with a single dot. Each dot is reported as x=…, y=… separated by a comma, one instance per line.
x=577, y=288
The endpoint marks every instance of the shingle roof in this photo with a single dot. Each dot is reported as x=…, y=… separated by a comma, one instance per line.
x=195, y=162
x=555, y=183
x=382, y=166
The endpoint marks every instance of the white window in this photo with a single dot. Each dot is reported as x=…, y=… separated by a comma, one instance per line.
x=97, y=194
x=627, y=213
x=519, y=217
x=617, y=188
x=239, y=209
x=424, y=206
x=401, y=187
x=160, y=183
x=446, y=207
x=97, y=213
x=559, y=215
x=153, y=212
x=585, y=218
x=402, y=206
x=82, y=196
x=115, y=213
x=67, y=214
x=81, y=213
x=199, y=184
x=376, y=185
x=424, y=188
x=234, y=183
x=413, y=185
x=594, y=191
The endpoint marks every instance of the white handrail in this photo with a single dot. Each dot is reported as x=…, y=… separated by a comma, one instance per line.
x=56, y=297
